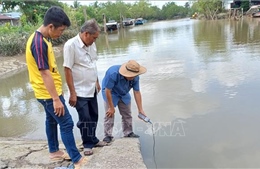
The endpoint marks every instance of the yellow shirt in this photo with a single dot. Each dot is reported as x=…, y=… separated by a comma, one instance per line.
x=40, y=56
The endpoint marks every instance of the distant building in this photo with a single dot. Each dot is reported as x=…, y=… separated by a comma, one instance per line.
x=7, y=19
x=237, y=3
x=15, y=15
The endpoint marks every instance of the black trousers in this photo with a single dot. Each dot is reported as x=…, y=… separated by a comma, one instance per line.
x=87, y=109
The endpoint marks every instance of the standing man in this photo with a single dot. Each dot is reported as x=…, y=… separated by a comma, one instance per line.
x=47, y=85
x=117, y=83
x=80, y=56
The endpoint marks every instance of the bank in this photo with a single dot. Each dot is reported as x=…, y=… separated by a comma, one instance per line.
x=19, y=153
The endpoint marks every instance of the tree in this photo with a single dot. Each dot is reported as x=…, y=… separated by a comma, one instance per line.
x=245, y=5
x=210, y=8
x=76, y=4
x=31, y=9
x=141, y=9
x=187, y=5
x=170, y=10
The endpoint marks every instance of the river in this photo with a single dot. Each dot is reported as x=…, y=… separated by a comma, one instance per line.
x=201, y=91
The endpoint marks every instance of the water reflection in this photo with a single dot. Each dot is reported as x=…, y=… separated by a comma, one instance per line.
x=15, y=101
x=201, y=91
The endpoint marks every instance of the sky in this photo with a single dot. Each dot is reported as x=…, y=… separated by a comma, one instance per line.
x=157, y=3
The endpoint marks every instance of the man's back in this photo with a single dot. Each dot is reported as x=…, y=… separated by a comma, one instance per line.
x=118, y=85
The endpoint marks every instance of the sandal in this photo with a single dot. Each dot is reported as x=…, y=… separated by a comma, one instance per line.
x=101, y=144
x=88, y=151
x=132, y=135
x=64, y=156
x=108, y=139
x=80, y=165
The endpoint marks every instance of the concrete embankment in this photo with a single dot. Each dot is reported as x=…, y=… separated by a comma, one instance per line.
x=19, y=153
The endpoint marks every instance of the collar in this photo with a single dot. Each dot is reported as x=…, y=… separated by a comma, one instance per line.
x=81, y=43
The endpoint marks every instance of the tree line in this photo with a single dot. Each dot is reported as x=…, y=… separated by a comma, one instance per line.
x=33, y=12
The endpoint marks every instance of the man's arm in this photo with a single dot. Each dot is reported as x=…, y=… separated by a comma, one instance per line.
x=111, y=109
x=138, y=100
x=70, y=83
x=50, y=86
x=98, y=86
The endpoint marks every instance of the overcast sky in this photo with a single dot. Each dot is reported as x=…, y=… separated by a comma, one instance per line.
x=157, y=3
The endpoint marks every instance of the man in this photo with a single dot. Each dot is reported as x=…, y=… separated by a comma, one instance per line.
x=47, y=85
x=80, y=56
x=117, y=83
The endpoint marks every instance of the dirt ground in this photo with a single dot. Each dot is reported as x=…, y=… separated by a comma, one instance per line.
x=21, y=57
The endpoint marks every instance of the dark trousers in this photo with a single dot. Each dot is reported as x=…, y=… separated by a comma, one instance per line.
x=87, y=109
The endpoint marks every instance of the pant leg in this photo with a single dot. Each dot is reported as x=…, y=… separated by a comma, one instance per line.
x=66, y=128
x=87, y=109
x=51, y=129
x=125, y=111
x=93, y=107
x=108, y=123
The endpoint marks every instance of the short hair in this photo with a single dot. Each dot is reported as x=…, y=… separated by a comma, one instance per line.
x=90, y=26
x=56, y=16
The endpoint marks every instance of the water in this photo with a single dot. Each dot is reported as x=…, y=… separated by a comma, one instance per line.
x=201, y=91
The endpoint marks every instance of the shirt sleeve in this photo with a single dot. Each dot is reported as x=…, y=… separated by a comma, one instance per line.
x=40, y=52
x=136, y=84
x=69, y=56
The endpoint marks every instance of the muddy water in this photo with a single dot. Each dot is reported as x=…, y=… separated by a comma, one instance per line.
x=201, y=92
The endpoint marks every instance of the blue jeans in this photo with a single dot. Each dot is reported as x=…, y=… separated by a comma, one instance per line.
x=66, y=129
x=87, y=109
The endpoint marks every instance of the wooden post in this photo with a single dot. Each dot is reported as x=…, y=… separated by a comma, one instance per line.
x=85, y=13
x=104, y=22
x=121, y=20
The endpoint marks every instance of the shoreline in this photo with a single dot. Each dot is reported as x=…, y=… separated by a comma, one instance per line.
x=10, y=65
x=20, y=153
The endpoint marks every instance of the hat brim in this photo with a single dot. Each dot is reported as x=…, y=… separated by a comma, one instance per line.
x=124, y=72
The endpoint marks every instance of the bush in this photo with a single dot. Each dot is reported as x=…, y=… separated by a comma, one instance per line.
x=15, y=43
x=65, y=36
x=12, y=44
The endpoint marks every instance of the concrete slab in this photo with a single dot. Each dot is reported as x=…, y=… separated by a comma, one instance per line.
x=18, y=153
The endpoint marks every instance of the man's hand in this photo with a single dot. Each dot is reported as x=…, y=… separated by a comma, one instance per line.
x=110, y=112
x=73, y=100
x=58, y=108
x=142, y=112
x=98, y=87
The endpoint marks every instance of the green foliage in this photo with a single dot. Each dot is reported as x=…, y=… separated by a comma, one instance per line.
x=65, y=36
x=187, y=5
x=10, y=45
x=141, y=9
x=245, y=5
x=76, y=4
x=171, y=10
x=155, y=14
x=210, y=8
x=194, y=8
x=33, y=12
